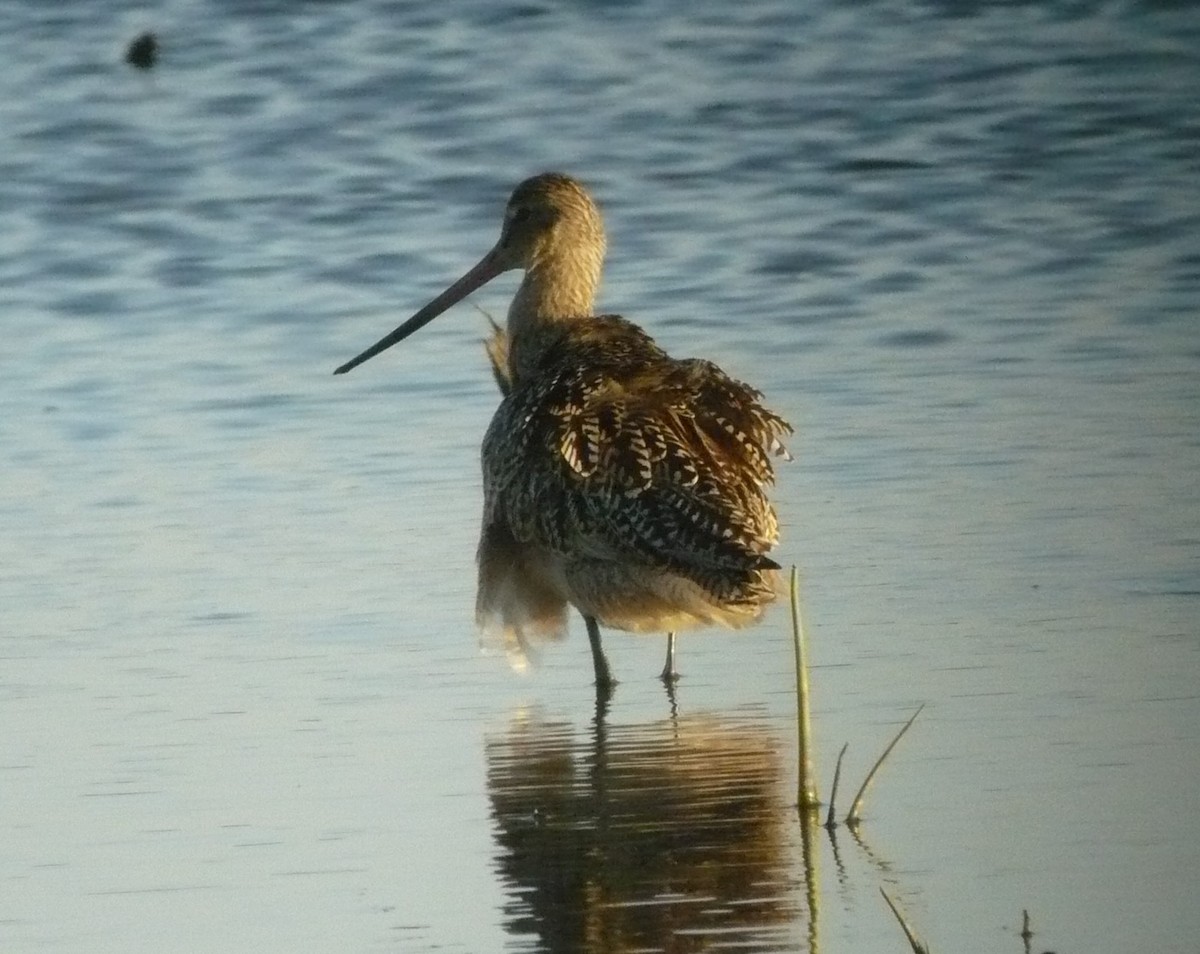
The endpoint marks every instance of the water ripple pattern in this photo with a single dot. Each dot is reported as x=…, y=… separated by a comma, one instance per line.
x=242, y=698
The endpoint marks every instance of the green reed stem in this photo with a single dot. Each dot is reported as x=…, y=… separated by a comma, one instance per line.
x=807, y=794
x=855, y=815
x=914, y=942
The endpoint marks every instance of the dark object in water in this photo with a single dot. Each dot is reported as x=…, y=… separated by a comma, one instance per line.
x=142, y=52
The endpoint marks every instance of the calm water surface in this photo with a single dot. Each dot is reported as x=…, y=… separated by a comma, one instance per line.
x=243, y=704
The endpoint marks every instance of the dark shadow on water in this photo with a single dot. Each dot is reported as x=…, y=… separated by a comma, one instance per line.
x=668, y=836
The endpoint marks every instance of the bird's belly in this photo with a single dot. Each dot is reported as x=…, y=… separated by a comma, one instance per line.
x=643, y=599
x=524, y=589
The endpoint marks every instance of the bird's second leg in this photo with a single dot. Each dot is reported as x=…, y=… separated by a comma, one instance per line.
x=604, y=677
x=670, y=674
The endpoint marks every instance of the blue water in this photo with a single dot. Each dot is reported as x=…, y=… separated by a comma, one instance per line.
x=243, y=704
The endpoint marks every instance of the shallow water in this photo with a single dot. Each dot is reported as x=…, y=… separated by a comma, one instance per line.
x=244, y=706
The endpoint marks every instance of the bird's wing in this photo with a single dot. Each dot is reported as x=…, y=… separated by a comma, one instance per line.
x=660, y=459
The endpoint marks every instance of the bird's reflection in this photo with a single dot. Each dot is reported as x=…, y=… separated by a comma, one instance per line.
x=669, y=836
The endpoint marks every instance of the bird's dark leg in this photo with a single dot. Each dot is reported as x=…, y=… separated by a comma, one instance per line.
x=604, y=678
x=670, y=674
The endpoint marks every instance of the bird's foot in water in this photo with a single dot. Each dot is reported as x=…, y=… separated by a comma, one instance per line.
x=669, y=674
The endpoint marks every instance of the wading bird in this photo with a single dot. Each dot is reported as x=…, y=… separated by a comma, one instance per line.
x=616, y=479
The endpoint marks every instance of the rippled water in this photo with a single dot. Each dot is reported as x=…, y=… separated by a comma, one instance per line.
x=243, y=704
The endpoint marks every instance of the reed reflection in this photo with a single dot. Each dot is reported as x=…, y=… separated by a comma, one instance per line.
x=670, y=836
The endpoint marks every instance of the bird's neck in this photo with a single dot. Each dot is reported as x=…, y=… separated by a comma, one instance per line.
x=553, y=293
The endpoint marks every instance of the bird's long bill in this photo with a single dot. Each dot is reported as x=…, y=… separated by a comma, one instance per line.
x=488, y=268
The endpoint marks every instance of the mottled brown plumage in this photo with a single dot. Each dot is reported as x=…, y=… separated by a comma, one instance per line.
x=617, y=479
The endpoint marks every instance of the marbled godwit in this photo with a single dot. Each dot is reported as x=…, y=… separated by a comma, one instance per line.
x=616, y=479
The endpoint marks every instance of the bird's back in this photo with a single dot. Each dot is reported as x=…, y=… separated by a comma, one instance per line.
x=631, y=469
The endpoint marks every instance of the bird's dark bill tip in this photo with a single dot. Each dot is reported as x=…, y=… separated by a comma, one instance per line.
x=358, y=359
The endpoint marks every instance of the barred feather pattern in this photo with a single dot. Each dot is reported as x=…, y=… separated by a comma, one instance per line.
x=635, y=481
